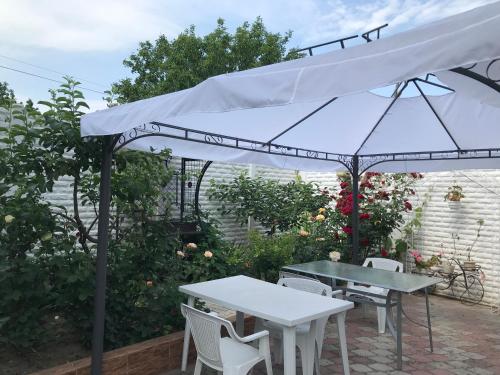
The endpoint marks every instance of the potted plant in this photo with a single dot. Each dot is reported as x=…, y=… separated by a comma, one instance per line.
x=421, y=263
x=454, y=194
x=447, y=265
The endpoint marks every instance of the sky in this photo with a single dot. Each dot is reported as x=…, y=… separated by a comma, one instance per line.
x=89, y=39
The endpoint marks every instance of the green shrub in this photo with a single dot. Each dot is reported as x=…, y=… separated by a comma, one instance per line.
x=272, y=204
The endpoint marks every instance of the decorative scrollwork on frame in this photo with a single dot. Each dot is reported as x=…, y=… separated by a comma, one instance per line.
x=470, y=67
x=122, y=139
x=489, y=70
x=213, y=139
x=283, y=149
x=133, y=133
x=366, y=163
x=312, y=154
x=155, y=127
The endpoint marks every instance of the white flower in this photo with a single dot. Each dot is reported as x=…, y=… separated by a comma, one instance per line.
x=181, y=254
x=9, y=219
x=192, y=246
x=334, y=256
x=208, y=254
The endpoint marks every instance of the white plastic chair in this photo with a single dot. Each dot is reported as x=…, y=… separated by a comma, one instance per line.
x=231, y=355
x=383, y=264
x=303, y=337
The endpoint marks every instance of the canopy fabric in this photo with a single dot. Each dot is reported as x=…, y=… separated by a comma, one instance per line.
x=323, y=103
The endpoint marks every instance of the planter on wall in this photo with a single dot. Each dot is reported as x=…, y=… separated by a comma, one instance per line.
x=454, y=205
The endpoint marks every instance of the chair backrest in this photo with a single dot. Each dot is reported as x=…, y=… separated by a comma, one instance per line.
x=384, y=264
x=285, y=274
x=206, y=331
x=316, y=287
x=306, y=285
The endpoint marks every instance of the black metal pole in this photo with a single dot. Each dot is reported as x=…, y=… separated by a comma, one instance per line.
x=355, y=210
x=101, y=261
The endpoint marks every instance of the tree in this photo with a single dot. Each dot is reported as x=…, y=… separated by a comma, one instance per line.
x=168, y=66
x=50, y=247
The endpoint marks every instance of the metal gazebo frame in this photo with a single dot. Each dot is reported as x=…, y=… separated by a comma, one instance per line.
x=356, y=164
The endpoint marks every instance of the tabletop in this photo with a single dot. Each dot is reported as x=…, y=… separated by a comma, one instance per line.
x=286, y=306
x=397, y=281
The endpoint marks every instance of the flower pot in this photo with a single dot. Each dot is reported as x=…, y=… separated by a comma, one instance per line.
x=454, y=205
x=469, y=265
x=448, y=267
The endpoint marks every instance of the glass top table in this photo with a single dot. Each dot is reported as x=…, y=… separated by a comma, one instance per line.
x=397, y=281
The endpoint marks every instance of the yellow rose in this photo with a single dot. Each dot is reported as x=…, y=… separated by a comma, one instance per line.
x=46, y=236
x=322, y=210
x=192, y=246
x=303, y=233
x=208, y=254
x=320, y=218
x=9, y=219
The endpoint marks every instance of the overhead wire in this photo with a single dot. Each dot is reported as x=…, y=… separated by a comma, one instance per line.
x=48, y=79
x=51, y=70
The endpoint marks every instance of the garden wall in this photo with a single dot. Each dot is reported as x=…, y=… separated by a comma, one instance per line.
x=151, y=357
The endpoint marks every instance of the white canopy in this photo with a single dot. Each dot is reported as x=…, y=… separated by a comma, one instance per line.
x=315, y=113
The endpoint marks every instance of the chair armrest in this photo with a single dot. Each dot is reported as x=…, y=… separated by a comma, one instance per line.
x=253, y=337
x=336, y=293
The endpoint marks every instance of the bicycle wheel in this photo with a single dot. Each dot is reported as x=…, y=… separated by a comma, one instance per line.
x=473, y=292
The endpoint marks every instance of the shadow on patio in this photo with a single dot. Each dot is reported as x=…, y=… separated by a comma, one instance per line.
x=466, y=341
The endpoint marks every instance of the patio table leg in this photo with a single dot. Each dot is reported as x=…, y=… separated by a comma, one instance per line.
x=289, y=364
x=187, y=337
x=240, y=323
x=309, y=358
x=342, y=341
x=399, y=333
x=429, y=319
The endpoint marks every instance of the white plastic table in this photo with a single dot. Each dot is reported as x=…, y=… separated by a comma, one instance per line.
x=285, y=306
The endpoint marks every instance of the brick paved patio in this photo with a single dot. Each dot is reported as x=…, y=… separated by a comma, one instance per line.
x=466, y=341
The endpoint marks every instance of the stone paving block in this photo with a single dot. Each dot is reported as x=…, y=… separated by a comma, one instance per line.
x=482, y=371
x=381, y=367
x=363, y=353
x=360, y=368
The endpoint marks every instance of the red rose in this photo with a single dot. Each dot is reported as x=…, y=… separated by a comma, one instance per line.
x=364, y=215
x=408, y=206
x=366, y=184
x=384, y=253
x=346, y=210
x=347, y=230
x=344, y=184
